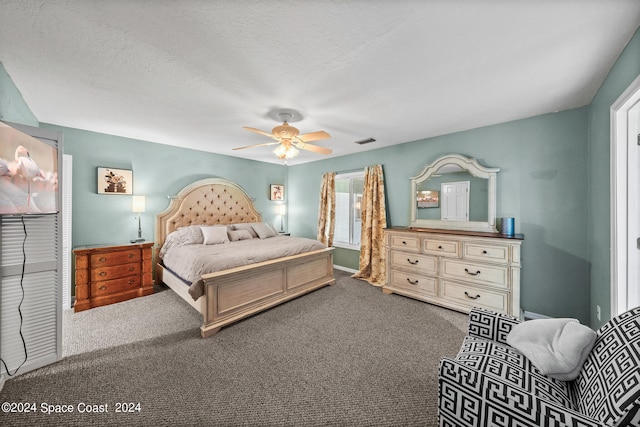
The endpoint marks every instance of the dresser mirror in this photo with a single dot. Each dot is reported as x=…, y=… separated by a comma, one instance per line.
x=454, y=193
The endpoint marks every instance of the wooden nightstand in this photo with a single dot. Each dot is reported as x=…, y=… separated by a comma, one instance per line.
x=110, y=274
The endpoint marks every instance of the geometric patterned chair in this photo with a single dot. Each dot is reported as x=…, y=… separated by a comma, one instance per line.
x=489, y=383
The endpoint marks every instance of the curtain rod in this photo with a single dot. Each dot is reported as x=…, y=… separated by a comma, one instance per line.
x=351, y=170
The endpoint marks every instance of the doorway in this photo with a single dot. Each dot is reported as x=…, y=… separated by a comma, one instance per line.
x=455, y=201
x=625, y=200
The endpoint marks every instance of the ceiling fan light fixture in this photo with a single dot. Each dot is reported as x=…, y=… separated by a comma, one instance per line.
x=285, y=152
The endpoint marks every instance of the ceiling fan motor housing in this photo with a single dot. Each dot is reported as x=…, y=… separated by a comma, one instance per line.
x=285, y=131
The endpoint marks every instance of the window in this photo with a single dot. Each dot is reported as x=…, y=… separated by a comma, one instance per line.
x=349, y=188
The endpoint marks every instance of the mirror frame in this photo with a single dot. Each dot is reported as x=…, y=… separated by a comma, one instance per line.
x=472, y=166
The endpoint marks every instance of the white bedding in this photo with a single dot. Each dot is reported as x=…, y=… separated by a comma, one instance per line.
x=191, y=261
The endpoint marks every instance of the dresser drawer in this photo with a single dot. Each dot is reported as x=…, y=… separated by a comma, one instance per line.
x=115, y=258
x=113, y=286
x=449, y=248
x=471, y=296
x=414, y=283
x=114, y=272
x=482, y=252
x=404, y=242
x=418, y=264
x=494, y=276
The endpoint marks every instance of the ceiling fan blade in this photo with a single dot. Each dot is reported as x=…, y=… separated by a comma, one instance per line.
x=314, y=136
x=258, y=131
x=314, y=148
x=257, y=145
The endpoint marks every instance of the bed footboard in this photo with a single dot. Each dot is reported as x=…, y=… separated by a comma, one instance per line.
x=236, y=293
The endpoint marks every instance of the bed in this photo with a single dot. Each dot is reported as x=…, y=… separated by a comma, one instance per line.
x=236, y=292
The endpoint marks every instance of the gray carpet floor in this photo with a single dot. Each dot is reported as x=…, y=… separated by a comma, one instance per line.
x=344, y=355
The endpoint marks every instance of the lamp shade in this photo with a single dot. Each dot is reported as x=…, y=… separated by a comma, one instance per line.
x=282, y=210
x=137, y=203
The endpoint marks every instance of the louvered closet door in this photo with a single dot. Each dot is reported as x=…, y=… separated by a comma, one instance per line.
x=30, y=262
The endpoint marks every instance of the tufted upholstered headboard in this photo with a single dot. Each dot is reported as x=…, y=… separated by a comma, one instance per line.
x=209, y=201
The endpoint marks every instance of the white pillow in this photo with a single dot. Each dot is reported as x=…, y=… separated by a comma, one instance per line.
x=172, y=241
x=263, y=230
x=236, y=235
x=246, y=226
x=191, y=235
x=557, y=347
x=215, y=235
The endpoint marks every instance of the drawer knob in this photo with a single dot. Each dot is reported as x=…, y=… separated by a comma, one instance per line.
x=102, y=288
x=131, y=282
x=102, y=259
x=412, y=262
x=131, y=255
x=440, y=247
x=102, y=273
x=466, y=294
x=404, y=243
x=412, y=282
x=470, y=273
x=133, y=268
x=484, y=252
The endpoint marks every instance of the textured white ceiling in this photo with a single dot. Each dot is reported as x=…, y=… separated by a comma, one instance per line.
x=192, y=73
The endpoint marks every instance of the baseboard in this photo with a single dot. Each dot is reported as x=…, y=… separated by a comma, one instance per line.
x=528, y=315
x=348, y=270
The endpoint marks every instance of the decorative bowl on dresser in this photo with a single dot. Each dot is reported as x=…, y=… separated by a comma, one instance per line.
x=455, y=269
x=109, y=274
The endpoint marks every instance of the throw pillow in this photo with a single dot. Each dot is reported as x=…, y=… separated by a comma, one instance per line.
x=215, y=235
x=263, y=230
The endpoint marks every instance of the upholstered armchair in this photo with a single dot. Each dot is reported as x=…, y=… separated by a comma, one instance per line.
x=489, y=383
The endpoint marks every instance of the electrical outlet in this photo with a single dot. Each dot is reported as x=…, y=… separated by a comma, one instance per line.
x=598, y=312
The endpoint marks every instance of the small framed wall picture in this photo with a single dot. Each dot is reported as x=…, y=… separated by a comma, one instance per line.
x=428, y=199
x=276, y=192
x=115, y=181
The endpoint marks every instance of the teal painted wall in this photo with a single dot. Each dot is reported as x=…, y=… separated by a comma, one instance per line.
x=13, y=108
x=158, y=171
x=544, y=168
x=622, y=74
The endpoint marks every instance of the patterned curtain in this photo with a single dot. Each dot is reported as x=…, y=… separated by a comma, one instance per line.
x=327, y=211
x=374, y=220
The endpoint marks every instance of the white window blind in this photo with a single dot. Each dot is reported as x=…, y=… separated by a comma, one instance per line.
x=349, y=187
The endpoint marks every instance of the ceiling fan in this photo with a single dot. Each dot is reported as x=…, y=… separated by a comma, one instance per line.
x=288, y=139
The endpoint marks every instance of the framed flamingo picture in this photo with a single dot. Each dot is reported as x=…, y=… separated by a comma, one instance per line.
x=28, y=173
x=115, y=181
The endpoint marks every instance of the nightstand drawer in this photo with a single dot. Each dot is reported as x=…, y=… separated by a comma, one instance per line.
x=418, y=264
x=113, y=286
x=115, y=258
x=114, y=272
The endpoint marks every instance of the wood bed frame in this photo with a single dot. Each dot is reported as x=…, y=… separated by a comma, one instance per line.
x=236, y=293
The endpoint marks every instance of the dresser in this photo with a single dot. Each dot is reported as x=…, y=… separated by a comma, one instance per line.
x=109, y=274
x=455, y=269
